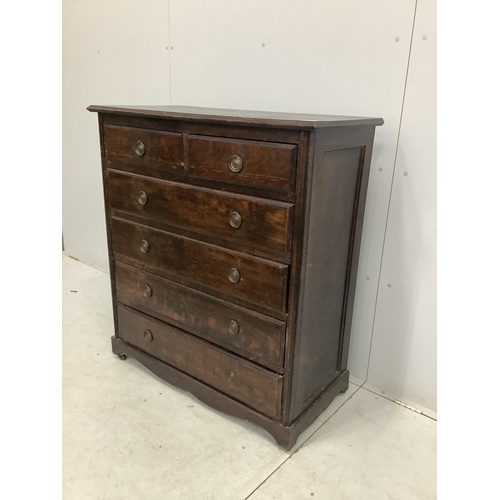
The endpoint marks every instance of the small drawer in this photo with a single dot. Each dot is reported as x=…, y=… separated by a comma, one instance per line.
x=240, y=379
x=258, y=337
x=253, y=163
x=245, y=220
x=143, y=147
x=252, y=279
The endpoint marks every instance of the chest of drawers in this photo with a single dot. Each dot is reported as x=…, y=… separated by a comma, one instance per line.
x=233, y=243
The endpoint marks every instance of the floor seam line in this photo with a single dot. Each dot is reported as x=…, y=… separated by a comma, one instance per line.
x=292, y=454
x=392, y=401
x=84, y=263
x=270, y=475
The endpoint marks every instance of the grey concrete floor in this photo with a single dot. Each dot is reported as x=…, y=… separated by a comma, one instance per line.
x=129, y=435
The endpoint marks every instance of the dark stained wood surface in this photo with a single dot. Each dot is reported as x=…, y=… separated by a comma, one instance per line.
x=294, y=300
x=162, y=149
x=259, y=338
x=107, y=211
x=354, y=259
x=307, y=144
x=261, y=281
x=265, y=224
x=214, y=130
x=219, y=128
x=177, y=176
x=334, y=200
x=238, y=116
x=255, y=386
x=330, y=229
x=264, y=164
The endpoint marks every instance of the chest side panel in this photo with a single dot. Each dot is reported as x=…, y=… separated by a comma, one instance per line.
x=338, y=189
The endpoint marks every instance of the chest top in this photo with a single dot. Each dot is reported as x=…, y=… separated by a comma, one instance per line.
x=305, y=121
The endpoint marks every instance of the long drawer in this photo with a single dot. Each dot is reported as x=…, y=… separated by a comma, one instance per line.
x=246, y=220
x=255, y=336
x=252, y=279
x=255, y=386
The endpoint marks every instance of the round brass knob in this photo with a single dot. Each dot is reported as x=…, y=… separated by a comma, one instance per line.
x=233, y=327
x=231, y=376
x=139, y=148
x=142, y=198
x=233, y=275
x=147, y=292
x=235, y=163
x=148, y=336
x=144, y=246
x=235, y=220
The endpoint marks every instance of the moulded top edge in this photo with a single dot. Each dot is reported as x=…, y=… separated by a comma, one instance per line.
x=239, y=117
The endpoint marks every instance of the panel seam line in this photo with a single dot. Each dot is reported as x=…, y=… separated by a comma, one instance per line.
x=169, y=56
x=390, y=192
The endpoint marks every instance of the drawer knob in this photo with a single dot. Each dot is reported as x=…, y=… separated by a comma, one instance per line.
x=233, y=327
x=235, y=220
x=233, y=275
x=235, y=163
x=148, y=336
x=147, y=292
x=231, y=376
x=142, y=198
x=139, y=148
x=144, y=246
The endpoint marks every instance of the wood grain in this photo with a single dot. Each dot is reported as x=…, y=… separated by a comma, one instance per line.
x=270, y=165
x=265, y=224
x=334, y=198
x=260, y=338
x=163, y=149
x=261, y=281
x=234, y=376
x=235, y=117
x=301, y=194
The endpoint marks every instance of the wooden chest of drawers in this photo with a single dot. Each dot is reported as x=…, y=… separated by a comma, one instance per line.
x=233, y=245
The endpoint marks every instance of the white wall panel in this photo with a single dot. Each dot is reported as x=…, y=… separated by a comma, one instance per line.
x=403, y=356
x=332, y=57
x=114, y=52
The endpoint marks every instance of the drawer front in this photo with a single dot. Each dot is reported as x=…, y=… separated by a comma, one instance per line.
x=260, y=337
x=254, y=163
x=142, y=147
x=251, y=221
x=250, y=278
x=240, y=379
